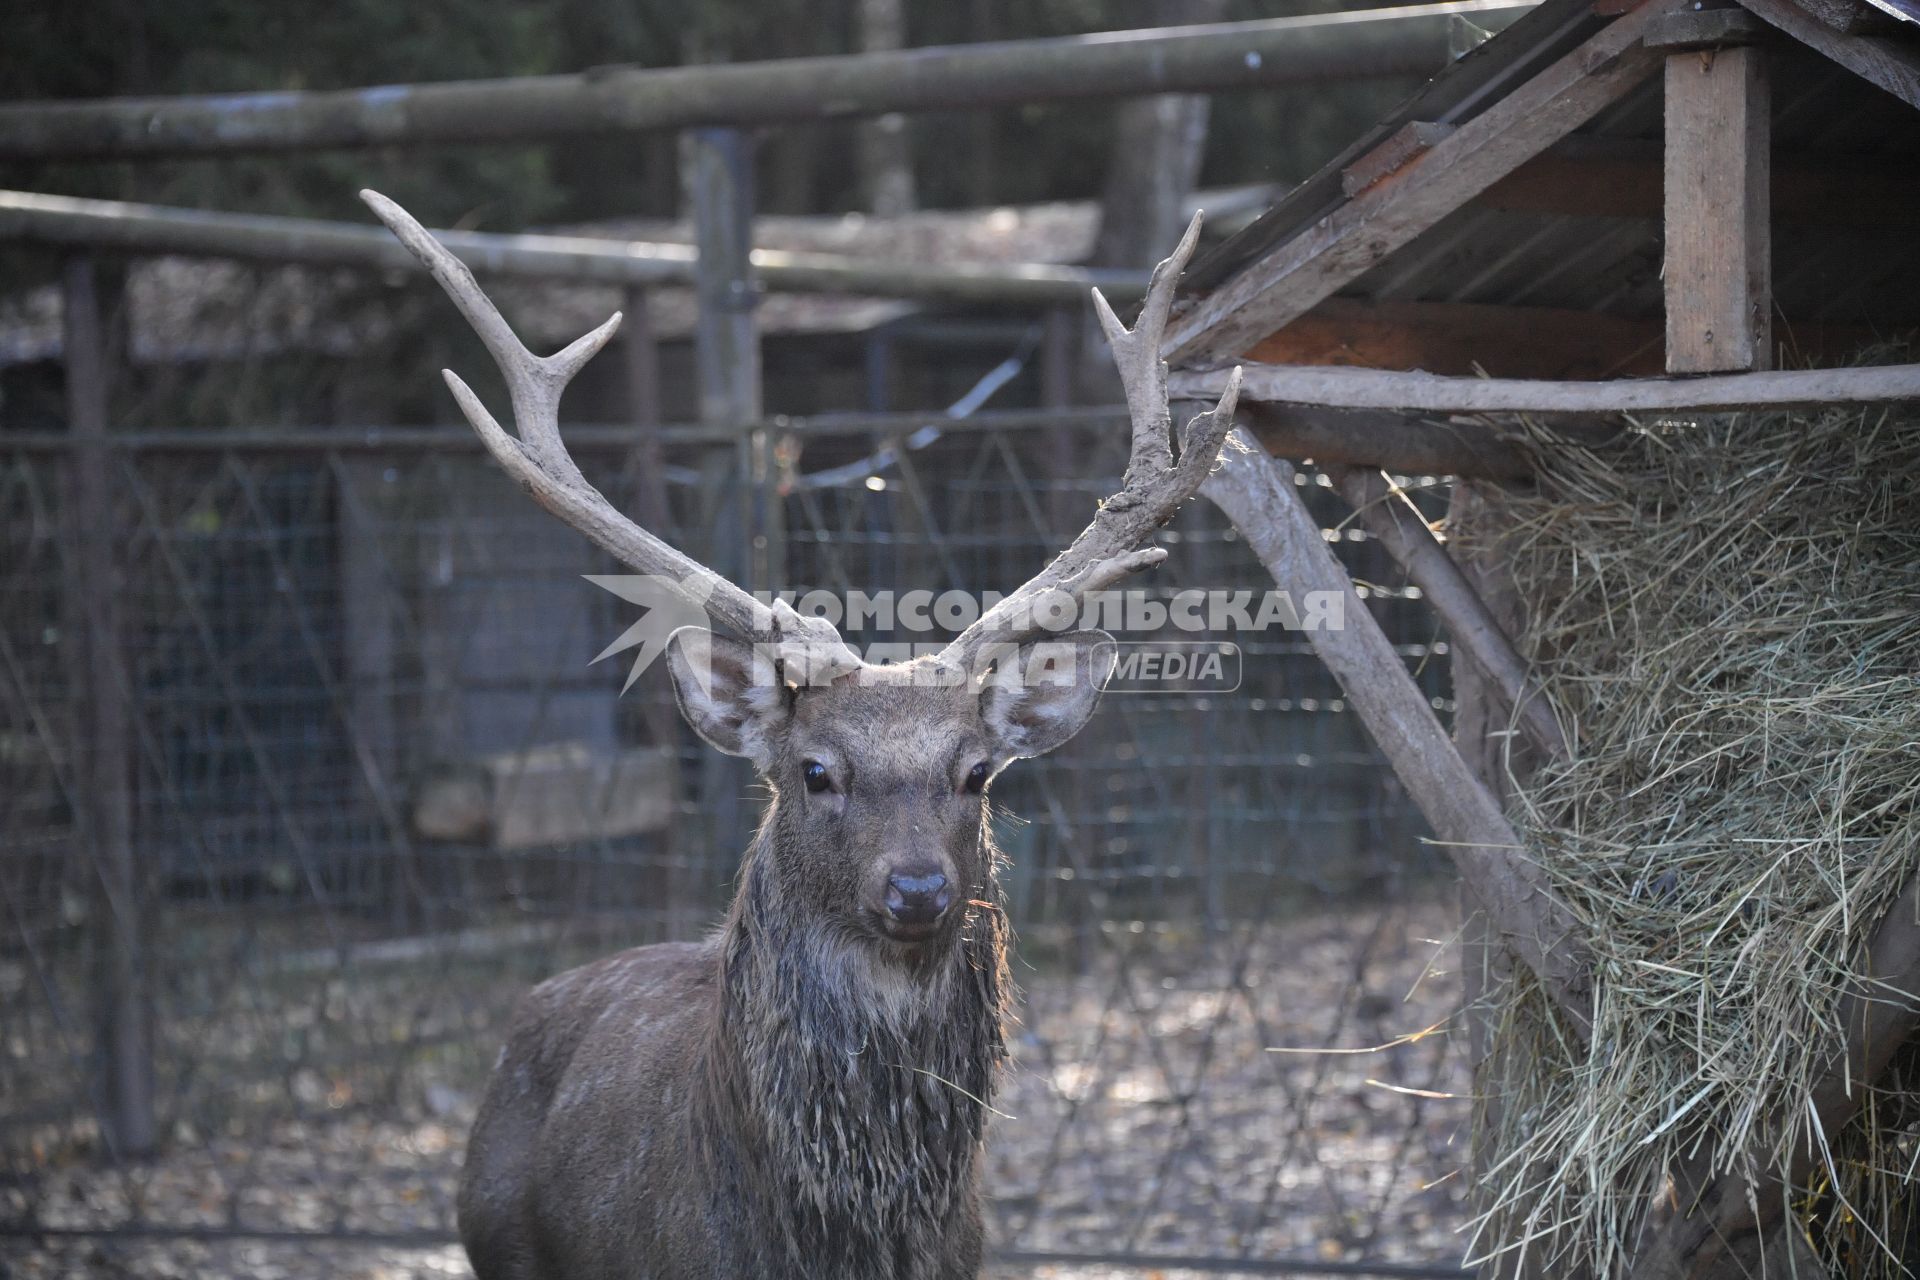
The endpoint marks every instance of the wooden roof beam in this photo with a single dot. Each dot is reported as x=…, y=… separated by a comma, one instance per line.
x=1425, y=393
x=1894, y=67
x=1400, y=205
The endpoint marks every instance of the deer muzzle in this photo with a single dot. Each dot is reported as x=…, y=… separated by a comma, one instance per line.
x=916, y=900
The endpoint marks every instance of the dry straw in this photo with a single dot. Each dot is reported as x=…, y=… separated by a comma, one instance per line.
x=1727, y=612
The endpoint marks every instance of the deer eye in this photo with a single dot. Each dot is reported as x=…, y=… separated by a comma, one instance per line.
x=977, y=777
x=815, y=774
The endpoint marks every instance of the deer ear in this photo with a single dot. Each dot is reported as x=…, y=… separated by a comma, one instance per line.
x=728, y=690
x=1040, y=694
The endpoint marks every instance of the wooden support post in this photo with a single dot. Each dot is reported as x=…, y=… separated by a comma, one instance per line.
x=104, y=735
x=1496, y=759
x=885, y=150
x=1719, y=250
x=1257, y=493
x=719, y=176
x=1476, y=634
x=717, y=171
x=719, y=168
x=640, y=365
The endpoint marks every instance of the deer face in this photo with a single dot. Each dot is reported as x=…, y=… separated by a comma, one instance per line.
x=880, y=779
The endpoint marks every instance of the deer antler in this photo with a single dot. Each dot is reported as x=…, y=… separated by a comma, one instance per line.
x=1155, y=485
x=808, y=647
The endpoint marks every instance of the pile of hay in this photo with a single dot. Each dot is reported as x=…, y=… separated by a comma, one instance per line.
x=1728, y=614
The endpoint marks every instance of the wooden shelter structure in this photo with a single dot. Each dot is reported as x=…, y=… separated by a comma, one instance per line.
x=1725, y=197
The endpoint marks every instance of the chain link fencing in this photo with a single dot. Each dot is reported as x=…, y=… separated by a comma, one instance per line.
x=300, y=796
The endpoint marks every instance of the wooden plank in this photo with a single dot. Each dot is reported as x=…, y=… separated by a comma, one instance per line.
x=1424, y=392
x=1389, y=441
x=561, y=793
x=1851, y=17
x=1350, y=240
x=1408, y=143
x=1472, y=339
x=1894, y=67
x=1718, y=266
x=1705, y=29
x=1899, y=10
x=1467, y=338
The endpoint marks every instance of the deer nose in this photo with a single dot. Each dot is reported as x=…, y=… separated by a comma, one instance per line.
x=917, y=897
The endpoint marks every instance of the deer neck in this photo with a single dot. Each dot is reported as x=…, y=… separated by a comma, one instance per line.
x=852, y=1087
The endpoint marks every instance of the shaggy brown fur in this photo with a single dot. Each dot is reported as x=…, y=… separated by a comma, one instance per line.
x=803, y=1094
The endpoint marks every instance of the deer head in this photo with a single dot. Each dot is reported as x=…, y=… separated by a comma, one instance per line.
x=879, y=772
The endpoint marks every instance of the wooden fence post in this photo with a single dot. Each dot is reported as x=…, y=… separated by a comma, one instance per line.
x=717, y=169
x=103, y=732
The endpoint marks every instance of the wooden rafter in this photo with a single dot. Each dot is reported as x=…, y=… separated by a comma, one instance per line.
x=1311, y=266
x=1894, y=67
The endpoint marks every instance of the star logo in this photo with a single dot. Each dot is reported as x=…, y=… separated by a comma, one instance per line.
x=670, y=605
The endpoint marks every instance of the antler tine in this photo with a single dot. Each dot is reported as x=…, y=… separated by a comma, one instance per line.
x=1109, y=549
x=1136, y=354
x=539, y=460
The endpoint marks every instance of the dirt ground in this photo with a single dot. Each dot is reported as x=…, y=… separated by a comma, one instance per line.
x=1145, y=1111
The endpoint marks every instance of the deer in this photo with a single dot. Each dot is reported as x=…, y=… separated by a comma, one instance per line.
x=805, y=1092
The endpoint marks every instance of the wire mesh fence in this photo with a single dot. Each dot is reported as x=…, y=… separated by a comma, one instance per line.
x=333, y=703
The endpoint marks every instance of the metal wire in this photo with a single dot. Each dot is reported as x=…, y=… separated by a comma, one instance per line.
x=319, y=640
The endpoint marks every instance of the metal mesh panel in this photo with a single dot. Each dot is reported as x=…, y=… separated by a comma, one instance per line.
x=326, y=659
